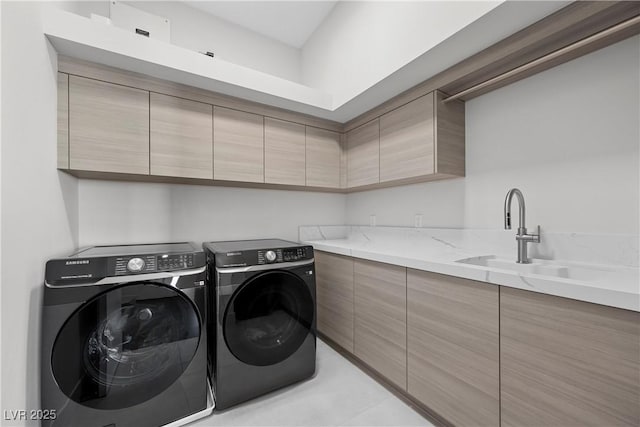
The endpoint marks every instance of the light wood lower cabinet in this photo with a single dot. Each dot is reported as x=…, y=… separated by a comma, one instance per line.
x=63, y=121
x=380, y=318
x=479, y=354
x=363, y=155
x=108, y=127
x=323, y=156
x=284, y=152
x=334, y=295
x=568, y=363
x=238, y=145
x=453, y=347
x=181, y=137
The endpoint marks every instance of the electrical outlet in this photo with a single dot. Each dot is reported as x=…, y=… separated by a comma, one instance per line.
x=372, y=220
x=417, y=221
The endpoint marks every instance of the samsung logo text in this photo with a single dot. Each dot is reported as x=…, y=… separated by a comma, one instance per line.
x=77, y=262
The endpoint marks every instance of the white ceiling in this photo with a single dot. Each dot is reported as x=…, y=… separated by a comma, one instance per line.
x=291, y=22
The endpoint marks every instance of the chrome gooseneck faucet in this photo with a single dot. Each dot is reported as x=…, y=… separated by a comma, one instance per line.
x=522, y=237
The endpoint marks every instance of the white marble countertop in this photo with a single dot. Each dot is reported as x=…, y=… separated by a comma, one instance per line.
x=608, y=263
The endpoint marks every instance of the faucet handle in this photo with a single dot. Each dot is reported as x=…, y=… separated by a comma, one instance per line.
x=533, y=238
x=537, y=235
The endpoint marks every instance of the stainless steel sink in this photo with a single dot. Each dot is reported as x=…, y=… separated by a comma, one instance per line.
x=540, y=267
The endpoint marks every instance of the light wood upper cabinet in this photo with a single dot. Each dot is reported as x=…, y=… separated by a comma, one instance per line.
x=108, y=127
x=284, y=152
x=420, y=141
x=423, y=138
x=238, y=145
x=334, y=295
x=449, y=136
x=567, y=362
x=181, y=137
x=380, y=318
x=323, y=152
x=407, y=140
x=170, y=131
x=453, y=347
x=63, y=121
x=363, y=155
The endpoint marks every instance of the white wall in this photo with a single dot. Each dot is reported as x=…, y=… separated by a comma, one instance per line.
x=118, y=212
x=196, y=30
x=39, y=204
x=199, y=31
x=568, y=138
x=361, y=43
x=46, y=213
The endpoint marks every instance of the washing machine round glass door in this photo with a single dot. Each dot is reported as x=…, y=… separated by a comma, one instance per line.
x=268, y=318
x=126, y=345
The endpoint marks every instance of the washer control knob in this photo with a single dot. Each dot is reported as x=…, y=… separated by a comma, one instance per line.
x=270, y=256
x=135, y=265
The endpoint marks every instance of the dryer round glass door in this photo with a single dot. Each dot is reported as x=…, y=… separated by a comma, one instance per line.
x=268, y=318
x=125, y=346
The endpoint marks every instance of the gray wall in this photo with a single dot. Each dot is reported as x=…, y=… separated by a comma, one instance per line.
x=567, y=137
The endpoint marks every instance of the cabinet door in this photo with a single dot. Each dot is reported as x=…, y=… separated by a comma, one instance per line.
x=380, y=318
x=567, y=362
x=407, y=140
x=108, y=127
x=181, y=137
x=334, y=294
x=284, y=152
x=363, y=155
x=238, y=146
x=63, y=121
x=323, y=158
x=453, y=347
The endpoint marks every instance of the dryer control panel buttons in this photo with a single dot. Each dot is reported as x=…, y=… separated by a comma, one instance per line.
x=271, y=256
x=171, y=262
x=293, y=254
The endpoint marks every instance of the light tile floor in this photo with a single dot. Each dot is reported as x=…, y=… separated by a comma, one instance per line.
x=339, y=394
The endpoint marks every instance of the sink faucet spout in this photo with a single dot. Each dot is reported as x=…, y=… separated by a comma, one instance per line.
x=507, y=208
x=522, y=237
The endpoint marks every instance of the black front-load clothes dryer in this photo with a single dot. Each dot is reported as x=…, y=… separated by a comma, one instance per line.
x=263, y=317
x=124, y=339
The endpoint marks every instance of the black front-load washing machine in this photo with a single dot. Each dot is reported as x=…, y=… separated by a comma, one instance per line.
x=262, y=329
x=124, y=339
